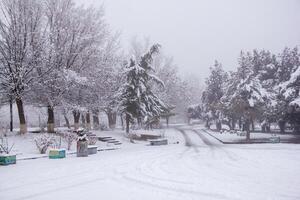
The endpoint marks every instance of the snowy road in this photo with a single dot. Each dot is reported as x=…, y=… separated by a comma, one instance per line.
x=199, y=167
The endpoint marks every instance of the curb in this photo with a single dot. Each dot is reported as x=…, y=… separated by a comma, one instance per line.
x=70, y=153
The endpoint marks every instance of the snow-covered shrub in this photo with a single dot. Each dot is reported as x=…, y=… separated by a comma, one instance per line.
x=92, y=138
x=4, y=131
x=4, y=146
x=69, y=138
x=56, y=142
x=44, y=141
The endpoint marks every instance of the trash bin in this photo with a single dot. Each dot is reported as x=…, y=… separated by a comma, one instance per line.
x=82, y=145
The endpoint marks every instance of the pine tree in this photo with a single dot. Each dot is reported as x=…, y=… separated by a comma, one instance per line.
x=213, y=93
x=137, y=101
x=288, y=98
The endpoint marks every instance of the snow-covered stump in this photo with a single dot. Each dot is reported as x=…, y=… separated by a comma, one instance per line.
x=57, y=153
x=8, y=159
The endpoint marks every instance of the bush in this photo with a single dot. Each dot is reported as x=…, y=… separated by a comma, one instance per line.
x=69, y=138
x=92, y=138
x=4, y=146
x=44, y=141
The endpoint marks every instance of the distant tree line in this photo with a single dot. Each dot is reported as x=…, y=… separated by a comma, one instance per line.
x=264, y=89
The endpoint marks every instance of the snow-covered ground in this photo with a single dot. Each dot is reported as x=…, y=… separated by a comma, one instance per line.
x=206, y=169
x=228, y=137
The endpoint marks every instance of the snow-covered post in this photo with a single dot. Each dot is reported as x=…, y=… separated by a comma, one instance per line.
x=82, y=144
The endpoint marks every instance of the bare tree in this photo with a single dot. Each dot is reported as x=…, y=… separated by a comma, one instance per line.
x=19, y=33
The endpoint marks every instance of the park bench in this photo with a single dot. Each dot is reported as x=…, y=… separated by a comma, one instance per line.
x=158, y=142
x=274, y=139
x=92, y=149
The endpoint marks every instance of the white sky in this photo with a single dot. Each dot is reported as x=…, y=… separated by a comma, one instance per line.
x=196, y=32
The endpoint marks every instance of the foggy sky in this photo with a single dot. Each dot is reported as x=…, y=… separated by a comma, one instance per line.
x=196, y=32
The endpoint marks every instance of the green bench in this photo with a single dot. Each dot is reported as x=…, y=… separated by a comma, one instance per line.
x=57, y=153
x=8, y=159
x=274, y=139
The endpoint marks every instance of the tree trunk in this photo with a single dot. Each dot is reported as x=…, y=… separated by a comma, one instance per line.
x=76, y=115
x=122, y=121
x=207, y=125
x=281, y=124
x=247, y=129
x=139, y=122
x=268, y=127
x=232, y=124
x=127, y=123
x=240, y=124
x=83, y=121
x=50, y=122
x=11, y=114
x=96, y=122
x=67, y=121
x=167, y=120
x=112, y=118
x=252, y=125
x=23, y=126
x=218, y=125
x=88, y=121
x=263, y=128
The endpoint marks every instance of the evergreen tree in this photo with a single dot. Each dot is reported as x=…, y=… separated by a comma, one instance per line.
x=287, y=101
x=137, y=101
x=213, y=93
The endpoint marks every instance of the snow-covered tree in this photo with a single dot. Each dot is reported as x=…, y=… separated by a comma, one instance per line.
x=20, y=29
x=213, y=93
x=74, y=41
x=288, y=87
x=137, y=101
x=257, y=91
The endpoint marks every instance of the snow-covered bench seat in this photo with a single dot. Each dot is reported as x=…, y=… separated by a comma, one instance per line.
x=274, y=139
x=158, y=142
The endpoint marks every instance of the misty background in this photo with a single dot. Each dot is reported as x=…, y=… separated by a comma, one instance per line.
x=197, y=32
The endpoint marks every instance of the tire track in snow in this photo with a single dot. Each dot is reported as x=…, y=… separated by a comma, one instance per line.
x=179, y=190
x=188, y=142
x=151, y=172
x=182, y=187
